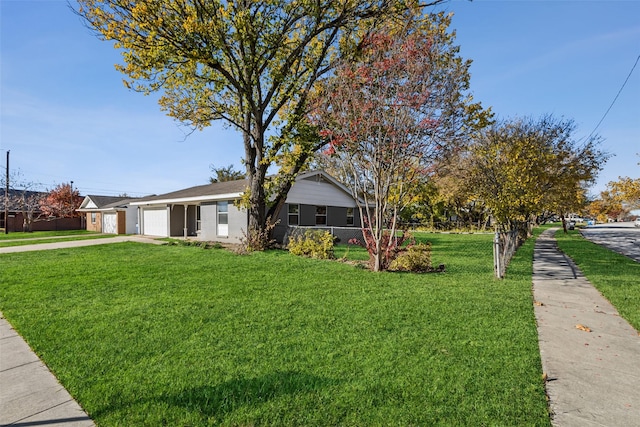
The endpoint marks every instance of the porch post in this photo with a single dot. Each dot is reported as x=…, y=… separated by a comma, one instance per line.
x=185, y=220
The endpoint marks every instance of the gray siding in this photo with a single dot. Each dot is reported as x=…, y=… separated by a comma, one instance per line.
x=208, y=221
x=237, y=220
x=336, y=217
x=176, y=220
x=316, y=191
x=191, y=220
x=307, y=215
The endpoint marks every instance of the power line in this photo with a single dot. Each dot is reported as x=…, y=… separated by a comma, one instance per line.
x=615, y=99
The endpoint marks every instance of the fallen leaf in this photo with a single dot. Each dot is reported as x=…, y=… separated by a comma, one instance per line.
x=583, y=328
x=538, y=303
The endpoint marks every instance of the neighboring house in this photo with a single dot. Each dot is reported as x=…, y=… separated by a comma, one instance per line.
x=110, y=215
x=212, y=213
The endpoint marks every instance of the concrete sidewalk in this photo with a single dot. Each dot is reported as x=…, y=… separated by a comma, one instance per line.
x=29, y=393
x=591, y=356
x=79, y=243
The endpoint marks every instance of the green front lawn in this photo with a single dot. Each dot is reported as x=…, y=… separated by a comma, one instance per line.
x=41, y=234
x=172, y=335
x=617, y=277
x=73, y=237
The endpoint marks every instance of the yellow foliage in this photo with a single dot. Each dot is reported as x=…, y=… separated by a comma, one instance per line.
x=524, y=168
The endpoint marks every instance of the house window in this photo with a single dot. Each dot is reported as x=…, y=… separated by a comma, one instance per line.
x=350, y=216
x=223, y=218
x=321, y=215
x=294, y=214
x=198, y=219
x=93, y=217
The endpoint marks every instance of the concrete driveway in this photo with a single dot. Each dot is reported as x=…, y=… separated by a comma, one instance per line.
x=621, y=237
x=79, y=243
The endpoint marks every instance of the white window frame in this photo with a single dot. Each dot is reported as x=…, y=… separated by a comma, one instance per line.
x=94, y=217
x=223, y=219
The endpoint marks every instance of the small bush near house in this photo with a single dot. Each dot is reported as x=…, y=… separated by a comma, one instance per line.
x=391, y=246
x=416, y=258
x=259, y=240
x=314, y=244
x=195, y=243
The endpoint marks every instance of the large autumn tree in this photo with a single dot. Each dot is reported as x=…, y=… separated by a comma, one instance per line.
x=626, y=191
x=250, y=63
x=617, y=200
x=61, y=202
x=524, y=167
x=391, y=115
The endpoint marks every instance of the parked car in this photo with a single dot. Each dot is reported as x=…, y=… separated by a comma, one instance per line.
x=571, y=225
x=637, y=222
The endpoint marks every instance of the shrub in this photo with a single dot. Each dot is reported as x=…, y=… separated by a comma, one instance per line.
x=259, y=240
x=391, y=246
x=416, y=258
x=314, y=244
x=194, y=243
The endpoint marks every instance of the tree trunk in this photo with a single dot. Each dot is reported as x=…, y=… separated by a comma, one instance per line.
x=255, y=186
x=253, y=136
x=377, y=262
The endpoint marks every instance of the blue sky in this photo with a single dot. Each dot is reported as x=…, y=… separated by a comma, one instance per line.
x=66, y=116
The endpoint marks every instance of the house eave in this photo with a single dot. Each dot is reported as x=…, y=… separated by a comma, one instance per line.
x=101, y=209
x=186, y=200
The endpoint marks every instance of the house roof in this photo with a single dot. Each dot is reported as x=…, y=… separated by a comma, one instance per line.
x=104, y=202
x=215, y=191
x=223, y=191
x=16, y=195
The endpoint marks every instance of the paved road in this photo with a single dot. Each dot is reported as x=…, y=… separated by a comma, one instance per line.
x=621, y=237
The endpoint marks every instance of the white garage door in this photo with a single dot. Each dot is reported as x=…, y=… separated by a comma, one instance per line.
x=109, y=223
x=154, y=222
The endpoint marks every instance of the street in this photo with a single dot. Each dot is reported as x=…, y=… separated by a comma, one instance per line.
x=621, y=237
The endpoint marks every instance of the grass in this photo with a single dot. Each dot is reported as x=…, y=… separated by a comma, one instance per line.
x=174, y=335
x=37, y=241
x=614, y=275
x=41, y=234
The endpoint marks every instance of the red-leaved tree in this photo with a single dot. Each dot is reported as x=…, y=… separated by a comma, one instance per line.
x=61, y=202
x=391, y=116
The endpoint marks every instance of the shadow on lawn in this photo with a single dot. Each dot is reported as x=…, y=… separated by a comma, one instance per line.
x=219, y=400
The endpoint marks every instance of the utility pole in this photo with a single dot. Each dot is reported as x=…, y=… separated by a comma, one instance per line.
x=6, y=200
